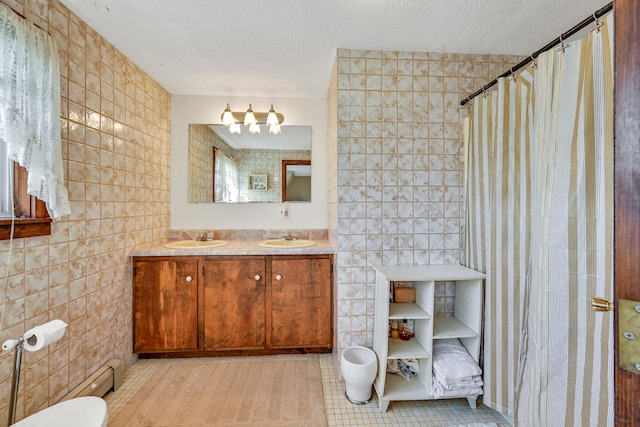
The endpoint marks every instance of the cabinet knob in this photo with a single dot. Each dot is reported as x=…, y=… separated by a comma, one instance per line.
x=278, y=277
x=189, y=278
x=257, y=277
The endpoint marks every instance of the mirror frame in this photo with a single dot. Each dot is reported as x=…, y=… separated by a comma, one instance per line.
x=283, y=177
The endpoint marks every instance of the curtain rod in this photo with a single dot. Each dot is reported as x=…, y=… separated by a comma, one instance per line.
x=548, y=46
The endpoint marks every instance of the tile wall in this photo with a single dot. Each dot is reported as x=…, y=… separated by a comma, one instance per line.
x=396, y=169
x=267, y=162
x=115, y=135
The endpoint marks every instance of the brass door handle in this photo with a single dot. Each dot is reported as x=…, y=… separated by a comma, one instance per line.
x=601, y=304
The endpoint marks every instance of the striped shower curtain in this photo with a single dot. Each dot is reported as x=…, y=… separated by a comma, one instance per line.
x=539, y=223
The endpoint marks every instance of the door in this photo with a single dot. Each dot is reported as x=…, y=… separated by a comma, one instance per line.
x=301, y=303
x=234, y=303
x=627, y=190
x=165, y=305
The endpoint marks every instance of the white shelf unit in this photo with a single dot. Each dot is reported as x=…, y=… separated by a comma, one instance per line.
x=465, y=325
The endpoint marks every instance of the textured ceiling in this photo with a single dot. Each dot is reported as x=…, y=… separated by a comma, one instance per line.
x=286, y=48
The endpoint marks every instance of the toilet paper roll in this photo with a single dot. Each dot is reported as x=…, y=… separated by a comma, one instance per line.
x=44, y=335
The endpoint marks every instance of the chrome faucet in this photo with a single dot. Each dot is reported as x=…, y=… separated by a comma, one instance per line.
x=203, y=238
x=287, y=236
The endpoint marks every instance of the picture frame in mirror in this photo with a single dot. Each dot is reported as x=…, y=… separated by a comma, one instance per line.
x=258, y=182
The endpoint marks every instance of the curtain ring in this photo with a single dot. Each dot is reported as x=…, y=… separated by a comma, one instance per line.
x=484, y=91
x=534, y=63
x=562, y=46
x=512, y=77
x=596, y=24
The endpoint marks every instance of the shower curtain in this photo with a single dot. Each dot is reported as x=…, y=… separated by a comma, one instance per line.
x=539, y=223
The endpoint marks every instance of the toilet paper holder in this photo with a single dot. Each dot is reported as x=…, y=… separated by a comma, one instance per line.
x=18, y=345
x=35, y=338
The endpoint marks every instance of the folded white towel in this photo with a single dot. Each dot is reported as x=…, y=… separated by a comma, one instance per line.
x=458, y=384
x=451, y=361
x=438, y=391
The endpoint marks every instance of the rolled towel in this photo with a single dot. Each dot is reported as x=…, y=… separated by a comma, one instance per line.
x=407, y=368
x=413, y=364
x=405, y=371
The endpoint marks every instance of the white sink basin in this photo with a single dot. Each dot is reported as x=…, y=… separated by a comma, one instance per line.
x=284, y=244
x=195, y=244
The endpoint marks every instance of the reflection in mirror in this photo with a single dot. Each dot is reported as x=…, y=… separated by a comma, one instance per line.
x=221, y=163
x=296, y=180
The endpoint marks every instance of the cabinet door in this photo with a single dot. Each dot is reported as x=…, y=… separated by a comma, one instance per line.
x=301, y=304
x=234, y=304
x=165, y=305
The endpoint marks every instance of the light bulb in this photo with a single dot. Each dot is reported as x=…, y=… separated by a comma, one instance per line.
x=235, y=128
x=275, y=129
x=250, y=118
x=227, y=117
x=272, y=118
x=254, y=128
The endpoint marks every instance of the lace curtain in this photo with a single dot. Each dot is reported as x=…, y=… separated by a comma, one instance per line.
x=226, y=178
x=30, y=108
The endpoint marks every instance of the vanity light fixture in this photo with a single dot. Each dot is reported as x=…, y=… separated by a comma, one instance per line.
x=235, y=128
x=250, y=118
x=227, y=117
x=272, y=119
x=275, y=129
x=233, y=119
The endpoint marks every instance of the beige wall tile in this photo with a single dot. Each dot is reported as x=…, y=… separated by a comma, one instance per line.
x=397, y=162
x=114, y=118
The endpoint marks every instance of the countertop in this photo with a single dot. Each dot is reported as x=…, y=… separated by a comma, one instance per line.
x=234, y=247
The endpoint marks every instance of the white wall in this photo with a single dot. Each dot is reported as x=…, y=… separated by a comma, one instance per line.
x=187, y=109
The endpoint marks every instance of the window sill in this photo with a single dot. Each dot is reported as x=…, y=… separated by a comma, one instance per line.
x=25, y=228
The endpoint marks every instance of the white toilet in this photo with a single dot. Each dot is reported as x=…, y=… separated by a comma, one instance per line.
x=358, y=366
x=87, y=411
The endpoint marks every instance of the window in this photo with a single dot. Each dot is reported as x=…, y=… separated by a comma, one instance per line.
x=225, y=180
x=31, y=216
x=26, y=214
x=29, y=129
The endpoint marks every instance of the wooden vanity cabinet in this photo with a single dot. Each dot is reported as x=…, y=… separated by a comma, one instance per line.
x=233, y=303
x=300, y=297
x=165, y=301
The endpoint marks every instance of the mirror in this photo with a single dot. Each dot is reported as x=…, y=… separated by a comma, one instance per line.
x=246, y=168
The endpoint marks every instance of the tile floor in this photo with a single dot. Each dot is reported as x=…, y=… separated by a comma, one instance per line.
x=340, y=412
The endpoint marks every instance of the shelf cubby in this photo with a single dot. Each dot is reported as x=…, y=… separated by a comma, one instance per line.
x=465, y=324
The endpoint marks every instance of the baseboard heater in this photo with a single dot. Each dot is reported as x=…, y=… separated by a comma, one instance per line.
x=105, y=379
